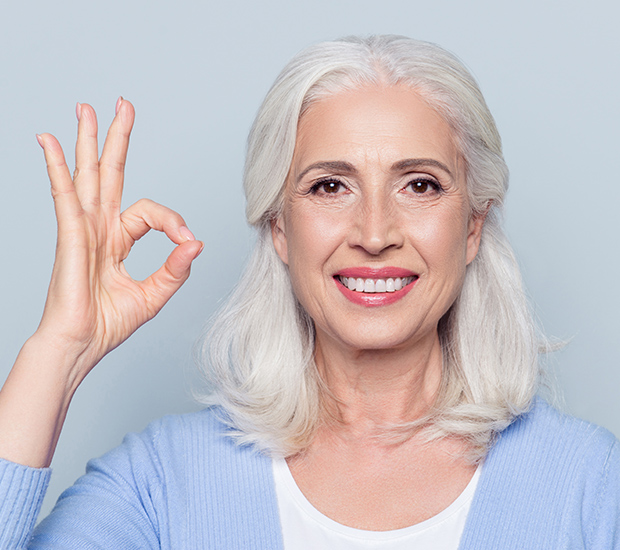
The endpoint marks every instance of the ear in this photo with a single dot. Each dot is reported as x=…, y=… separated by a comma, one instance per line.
x=474, y=230
x=278, y=234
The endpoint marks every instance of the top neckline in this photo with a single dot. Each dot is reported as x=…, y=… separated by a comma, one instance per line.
x=283, y=474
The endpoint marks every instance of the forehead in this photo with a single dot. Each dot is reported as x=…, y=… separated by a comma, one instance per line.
x=375, y=123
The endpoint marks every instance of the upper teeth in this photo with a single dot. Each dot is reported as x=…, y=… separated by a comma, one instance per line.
x=375, y=285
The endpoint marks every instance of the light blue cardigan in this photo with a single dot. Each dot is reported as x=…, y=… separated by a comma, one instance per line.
x=550, y=481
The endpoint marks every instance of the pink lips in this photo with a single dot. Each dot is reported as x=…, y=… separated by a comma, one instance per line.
x=374, y=299
x=375, y=273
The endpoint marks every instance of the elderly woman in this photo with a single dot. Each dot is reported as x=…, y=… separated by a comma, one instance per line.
x=375, y=371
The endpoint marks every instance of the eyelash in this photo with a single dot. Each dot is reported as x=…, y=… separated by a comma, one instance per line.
x=320, y=186
x=430, y=182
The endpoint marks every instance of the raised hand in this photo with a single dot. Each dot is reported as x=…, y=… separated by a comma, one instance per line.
x=93, y=304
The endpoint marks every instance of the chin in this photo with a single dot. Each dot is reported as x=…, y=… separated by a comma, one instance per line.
x=376, y=338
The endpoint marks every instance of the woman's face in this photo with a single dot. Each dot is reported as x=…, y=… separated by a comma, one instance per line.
x=376, y=226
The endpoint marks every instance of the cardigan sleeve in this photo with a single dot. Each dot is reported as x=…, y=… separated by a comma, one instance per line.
x=115, y=505
x=21, y=494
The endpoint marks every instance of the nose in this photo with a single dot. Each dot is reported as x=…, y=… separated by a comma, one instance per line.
x=376, y=226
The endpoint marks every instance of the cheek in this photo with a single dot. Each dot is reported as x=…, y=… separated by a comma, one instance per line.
x=313, y=236
x=313, y=240
x=441, y=239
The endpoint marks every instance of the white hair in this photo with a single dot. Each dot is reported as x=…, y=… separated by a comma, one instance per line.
x=258, y=352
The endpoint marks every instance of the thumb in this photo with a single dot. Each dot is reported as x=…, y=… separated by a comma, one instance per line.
x=162, y=284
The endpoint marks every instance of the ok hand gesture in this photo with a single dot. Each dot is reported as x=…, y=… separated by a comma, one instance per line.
x=92, y=304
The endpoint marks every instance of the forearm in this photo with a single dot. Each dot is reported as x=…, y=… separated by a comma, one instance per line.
x=34, y=402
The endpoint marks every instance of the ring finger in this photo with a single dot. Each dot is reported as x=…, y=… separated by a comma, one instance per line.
x=86, y=175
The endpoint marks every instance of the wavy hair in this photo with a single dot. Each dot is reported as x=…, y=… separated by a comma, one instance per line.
x=257, y=353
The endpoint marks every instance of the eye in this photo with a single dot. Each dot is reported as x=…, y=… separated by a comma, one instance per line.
x=327, y=187
x=424, y=186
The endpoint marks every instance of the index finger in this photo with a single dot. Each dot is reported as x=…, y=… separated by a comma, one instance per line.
x=145, y=215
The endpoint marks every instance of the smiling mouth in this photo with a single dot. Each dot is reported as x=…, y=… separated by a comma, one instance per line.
x=375, y=286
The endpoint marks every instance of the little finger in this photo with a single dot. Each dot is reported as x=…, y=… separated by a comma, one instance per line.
x=66, y=202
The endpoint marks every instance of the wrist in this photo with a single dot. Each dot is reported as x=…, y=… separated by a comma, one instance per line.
x=54, y=358
x=35, y=399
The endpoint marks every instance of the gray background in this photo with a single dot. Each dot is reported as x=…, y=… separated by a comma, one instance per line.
x=197, y=71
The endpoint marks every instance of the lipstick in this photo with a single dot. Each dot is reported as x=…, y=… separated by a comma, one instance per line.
x=372, y=287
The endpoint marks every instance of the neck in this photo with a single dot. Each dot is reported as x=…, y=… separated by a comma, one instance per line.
x=369, y=389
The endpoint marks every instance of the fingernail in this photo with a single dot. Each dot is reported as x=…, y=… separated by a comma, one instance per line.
x=40, y=140
x=200, y=251
x=78, y=110
x=119, y=102
x=186, y=234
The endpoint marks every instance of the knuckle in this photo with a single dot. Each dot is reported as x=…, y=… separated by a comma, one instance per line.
x=85, y=169
x=144, y=203
x=56, y=164
x=113, y=165
x=58, y=193
x=112, y=205
x=93, y=203
x=129, y=216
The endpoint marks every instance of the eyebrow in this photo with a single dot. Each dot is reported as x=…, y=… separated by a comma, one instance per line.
x=417, y=163
x=347, y=168
x=335, y=165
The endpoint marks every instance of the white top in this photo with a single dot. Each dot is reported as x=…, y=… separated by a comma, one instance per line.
x=305, y=528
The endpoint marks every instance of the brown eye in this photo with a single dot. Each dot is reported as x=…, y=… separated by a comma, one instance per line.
x=327, y=187
x=421, y=187
x=331, y=186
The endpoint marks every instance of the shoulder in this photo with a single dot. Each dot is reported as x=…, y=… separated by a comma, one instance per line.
x=147, y=461
x=217, y=483
x=172, y=431
x=550, y=476
x=174, y=444
x=544, y=433
x=141, y=485
x=183, y=450
x=169, y=434
x=181, y=479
